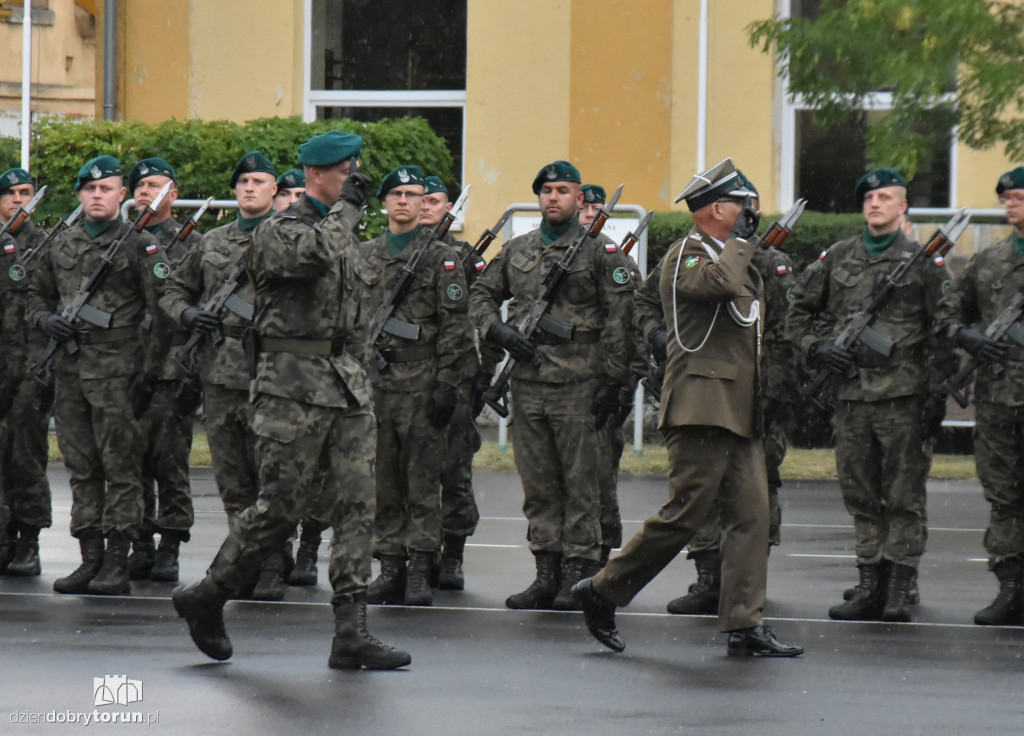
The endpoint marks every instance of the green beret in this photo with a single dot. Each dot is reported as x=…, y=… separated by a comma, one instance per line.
x=397, y=177
x=292, y=179
x=721, y=180
x=745, y=187
x=876, y=180
x=558, y=171
x=150, y=167
x=593, y=194
x=434, y=185
x=1010, y=180
x=13, y=177
x=101, y=167
x=251, y=162
x=329, y=148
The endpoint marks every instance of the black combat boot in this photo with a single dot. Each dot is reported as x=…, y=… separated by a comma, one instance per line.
x=573, y=570
x=202, y=606
x=140, y=561
x=417, y=579
x=915, y=592
x=304, y=572
x=165, y=561
x=92, y=559
x=112, y=579
x=450, y=576
x=388, y=588
x=1005, y=610
x=8, y=541
x=542, y=591
x=702, y=598
x=867, y=604
x=897, y=597
x=354, y=647
x=271, y=585
x=26, y=553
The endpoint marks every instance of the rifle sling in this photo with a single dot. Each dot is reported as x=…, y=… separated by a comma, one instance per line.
x=407, y=355
x=102, y=337
x=335, y=346
x=871, y=359
x=579, y=338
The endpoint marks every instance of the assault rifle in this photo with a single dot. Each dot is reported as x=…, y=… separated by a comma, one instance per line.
x=189, y=226
x=32, y=253
x=383, y=325
x=779, y=230
x=632, y=238
x=1008, y=324
x=485, y=240
x=859, y=328
x=496, y=396
x=21, y=215
x=77, y=308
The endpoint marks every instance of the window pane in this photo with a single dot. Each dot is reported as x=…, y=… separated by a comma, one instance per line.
x=397, y=45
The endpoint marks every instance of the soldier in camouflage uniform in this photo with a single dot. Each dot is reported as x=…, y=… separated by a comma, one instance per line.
x=891, y=405
x=167, y=495
x=221, y=366
x=416, y=393
x=982, y=292
x=25, y=490
x=97, y=428
x=563, y=389
x=290, y=186
x=312, y=410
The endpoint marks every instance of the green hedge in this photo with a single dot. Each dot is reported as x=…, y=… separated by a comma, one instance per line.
x=205, y=153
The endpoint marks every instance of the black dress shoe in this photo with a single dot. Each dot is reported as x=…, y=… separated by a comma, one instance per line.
x=599, y=613
x=759, y=641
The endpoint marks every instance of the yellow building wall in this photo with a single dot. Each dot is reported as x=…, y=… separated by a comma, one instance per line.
x=153, y=60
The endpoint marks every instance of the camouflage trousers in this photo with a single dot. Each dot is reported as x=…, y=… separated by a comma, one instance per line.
x=459, y=512
x=102, y=447
x=410, y=455
x=228, y=421
x=560, y=458
x=297, y=444
x=166, y=492
x=26, y=449
x=883, y=464
x=611, y=519
x=999, y=452
x=708, y=537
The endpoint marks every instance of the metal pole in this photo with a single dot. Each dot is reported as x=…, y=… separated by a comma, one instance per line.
x=26, y=83
x=109, y=57
x=702, y=89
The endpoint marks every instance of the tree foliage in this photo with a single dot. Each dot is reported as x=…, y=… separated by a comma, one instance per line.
x=958, y=62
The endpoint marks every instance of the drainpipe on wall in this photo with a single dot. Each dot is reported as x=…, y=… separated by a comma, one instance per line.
x=109, y=57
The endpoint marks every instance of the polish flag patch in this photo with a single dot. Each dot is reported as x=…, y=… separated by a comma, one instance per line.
x=939, y=261
x=151, y=249
x=782, y=270
x=449, y=265
x=9, y=248
x=610, y=247
x=481, y=265
x=822, y=256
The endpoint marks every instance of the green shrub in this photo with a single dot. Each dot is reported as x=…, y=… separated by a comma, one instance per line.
x=10, y=153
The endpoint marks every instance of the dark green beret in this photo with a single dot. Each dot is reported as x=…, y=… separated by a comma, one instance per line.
x=329, y=148
x=593, y=194
x=434, y=185
x=721, y=180
x=876, y=180
x=13, y=177
x=292, y=179
x=745, y=187
x=411, y=174
x=150, y=167
x=251, y=162
x=1010, y=180
x=558, y=171
x=101, y=167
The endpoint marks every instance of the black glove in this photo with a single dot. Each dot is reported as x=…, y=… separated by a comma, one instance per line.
x=517, y=345
x=355, y=187
x=8, y=393
x=659, y=345
x=140, y=393
x=442, y=405
x=746, y=221
x=57, y=328
x=188, y=396
x=606, y=402
x=932, y=414
x=195, y=318
x=833, y=357
x=980, y=345
x=481, y=382
x=625, y=401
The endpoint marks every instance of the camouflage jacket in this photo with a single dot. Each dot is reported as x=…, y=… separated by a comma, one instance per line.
x=130, y=293
x=437, y=303
x=473, y=265
x=167, y=236
x=833, y=289
x=22, y=340
x=595, y=297
x=301, y=266
x=978, y=296
x=195, y=278
x=778, y=358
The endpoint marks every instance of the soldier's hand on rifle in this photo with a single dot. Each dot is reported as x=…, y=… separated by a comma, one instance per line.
x=659, y=345
x=57, y=328
x=442, y=405
x=746, y=221
x=606, y=402
x=517, y=344
x=625, y=405
x=932, y=414
x=8, y=392
x=195, y=318
x=140, y=393
x=481, y=382
x=833, y=357
x=980, y=345
x=355, y=188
